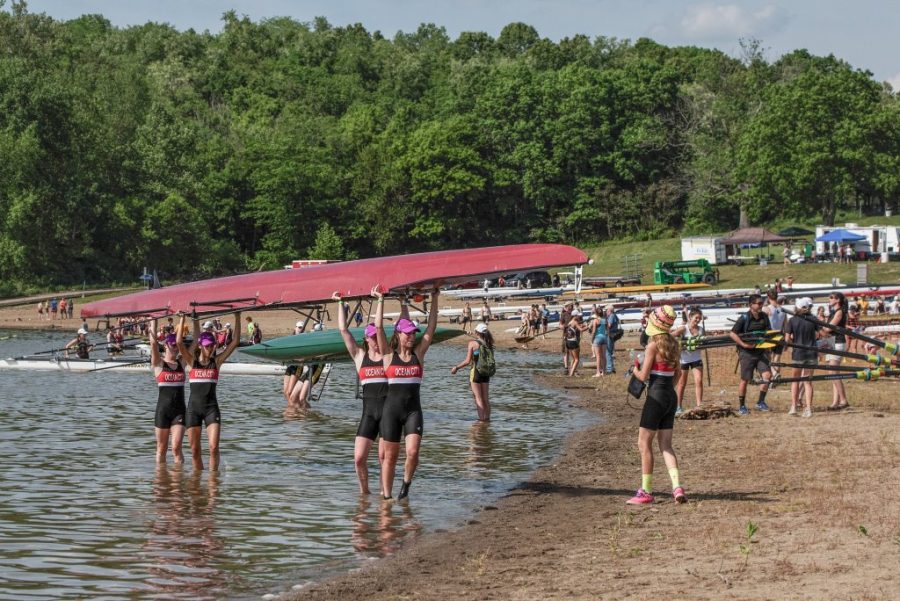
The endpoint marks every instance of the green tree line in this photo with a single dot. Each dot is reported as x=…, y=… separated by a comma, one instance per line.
x=200, y=154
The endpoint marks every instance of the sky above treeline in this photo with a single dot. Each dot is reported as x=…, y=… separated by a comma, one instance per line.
x=865, y=33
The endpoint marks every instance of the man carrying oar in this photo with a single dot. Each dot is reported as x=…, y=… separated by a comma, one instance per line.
x=752, y=358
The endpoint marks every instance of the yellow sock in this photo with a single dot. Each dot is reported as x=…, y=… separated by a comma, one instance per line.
x=647, y=483
x=675, y=477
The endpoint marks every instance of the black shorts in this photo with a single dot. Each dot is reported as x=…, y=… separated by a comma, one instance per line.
x=170, y=407
x=799, y=355
x=698, y=364
x=659, y=408
x=476, y=377
x=751, y=362
x=401, y=417
x=291, y=370
x=370, y=422
x=202, y=411
x=572, y=345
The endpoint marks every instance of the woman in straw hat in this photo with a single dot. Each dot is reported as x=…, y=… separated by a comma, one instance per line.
x=659, y=371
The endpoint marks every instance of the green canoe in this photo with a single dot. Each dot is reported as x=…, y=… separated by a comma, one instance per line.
x=326, y=344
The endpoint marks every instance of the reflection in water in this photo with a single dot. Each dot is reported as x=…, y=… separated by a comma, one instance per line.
x=481, y=446
x=182, y=547
x=381, y=527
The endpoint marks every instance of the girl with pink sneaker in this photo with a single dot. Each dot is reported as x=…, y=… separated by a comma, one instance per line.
x=659, y=371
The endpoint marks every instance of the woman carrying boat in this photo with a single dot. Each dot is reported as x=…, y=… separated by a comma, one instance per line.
x=404, y=363
x=479, y=383
x=599, y=339
x=369, y=362
x=170, y=379
x=658, y=371
x=203, y=406
x=691, y=361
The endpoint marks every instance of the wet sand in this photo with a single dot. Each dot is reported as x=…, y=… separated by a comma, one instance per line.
x=820, y=493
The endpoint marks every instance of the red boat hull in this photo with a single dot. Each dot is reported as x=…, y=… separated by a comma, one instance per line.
x=313, y=285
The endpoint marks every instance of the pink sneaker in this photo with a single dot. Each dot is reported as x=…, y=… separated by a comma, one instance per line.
x=679, y=495
x=640, y=498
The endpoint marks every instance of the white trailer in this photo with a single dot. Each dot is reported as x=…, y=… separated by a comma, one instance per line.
x=704, y=247
x=879, y=238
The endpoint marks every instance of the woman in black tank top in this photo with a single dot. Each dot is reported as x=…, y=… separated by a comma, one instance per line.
x=169, y=375
x=369, y=362
x=837, y=315
x=404, y=367
x=203, y=406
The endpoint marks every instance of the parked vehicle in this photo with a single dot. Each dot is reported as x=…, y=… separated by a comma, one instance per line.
x=684, y=272
x=529, y=279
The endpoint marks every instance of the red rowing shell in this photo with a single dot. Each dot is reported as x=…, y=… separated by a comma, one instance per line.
x=311, y=285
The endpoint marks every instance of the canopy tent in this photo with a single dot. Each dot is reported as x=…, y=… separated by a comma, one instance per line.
x=795, y=232
x=840, y=236
x=753, y=235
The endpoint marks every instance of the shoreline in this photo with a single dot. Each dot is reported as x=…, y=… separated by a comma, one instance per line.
x=567, y=533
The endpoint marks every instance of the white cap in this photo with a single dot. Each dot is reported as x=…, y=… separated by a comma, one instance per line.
x=804, y=303
x=299, y=324
x=208, y=325
x=481, y=328
x=228, y=325
x=82, y=331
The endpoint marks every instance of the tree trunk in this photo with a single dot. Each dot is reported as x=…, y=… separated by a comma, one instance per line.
x=744, y=221
x=828, y=212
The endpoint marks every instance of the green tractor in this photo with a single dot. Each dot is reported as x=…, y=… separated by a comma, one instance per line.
x=684, y=272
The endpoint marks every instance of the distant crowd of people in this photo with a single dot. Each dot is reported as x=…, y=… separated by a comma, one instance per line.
x=56, y=308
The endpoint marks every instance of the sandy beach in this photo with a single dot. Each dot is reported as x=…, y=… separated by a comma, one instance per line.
x=817, y=495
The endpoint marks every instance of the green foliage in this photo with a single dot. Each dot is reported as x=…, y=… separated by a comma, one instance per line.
x=200, y=154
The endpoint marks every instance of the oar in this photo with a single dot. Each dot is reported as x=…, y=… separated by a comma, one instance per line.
x=758, y=343
x=867, y=375
x=820, y=366
x=706, y=364
x=891, y=347
x=129, y=364
x=875, y=359
x=699, y=342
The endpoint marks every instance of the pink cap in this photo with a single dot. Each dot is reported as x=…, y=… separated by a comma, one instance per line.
x=207, y=339
x=371, y=330
x=406, y=326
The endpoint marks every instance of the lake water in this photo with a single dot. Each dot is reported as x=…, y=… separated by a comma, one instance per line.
x=85, y=513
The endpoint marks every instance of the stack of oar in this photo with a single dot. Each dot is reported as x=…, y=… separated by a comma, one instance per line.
x=880, y=366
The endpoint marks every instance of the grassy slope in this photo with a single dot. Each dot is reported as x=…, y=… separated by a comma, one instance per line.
x=608, y=261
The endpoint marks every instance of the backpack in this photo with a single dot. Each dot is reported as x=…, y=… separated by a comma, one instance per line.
x=485, y=364
x=257, y=334
x=616, y=331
